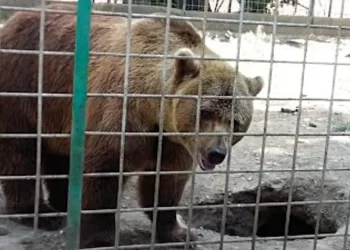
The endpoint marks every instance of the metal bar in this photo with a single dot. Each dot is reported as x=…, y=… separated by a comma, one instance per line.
x=329, y=120
x=39, y=123
x=77, y=150
x=173, y=134
x=118, y=95
x=224, y=212
x=123, y=127
x=197, y=129
x=330, y=5
x=155, y=56
x=141, y=173
x=199, y=207
x=161, y=127
x=311, y=11
x=296, y=140
x=258, y=195
x=189, y=18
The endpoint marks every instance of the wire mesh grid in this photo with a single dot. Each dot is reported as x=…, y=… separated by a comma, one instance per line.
x=322, y=8
x=228, y=170
x=326, y=8
x=191, y=5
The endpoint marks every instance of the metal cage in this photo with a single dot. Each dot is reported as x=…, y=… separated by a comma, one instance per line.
x=243, y=22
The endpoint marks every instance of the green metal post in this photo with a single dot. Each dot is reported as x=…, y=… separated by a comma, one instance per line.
x=81, y=66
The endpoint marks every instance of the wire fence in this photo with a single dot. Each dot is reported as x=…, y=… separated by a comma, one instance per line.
x=89, y=99
x=325, y=8
x=317, y=8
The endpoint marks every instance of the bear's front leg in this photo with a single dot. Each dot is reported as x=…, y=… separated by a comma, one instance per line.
x=98, y=230
x=171, y=187
x=169, y=229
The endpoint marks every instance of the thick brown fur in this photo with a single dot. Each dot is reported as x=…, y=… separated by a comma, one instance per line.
x=19, y=73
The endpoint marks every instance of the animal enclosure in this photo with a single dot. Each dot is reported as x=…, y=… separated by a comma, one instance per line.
x=245, y=135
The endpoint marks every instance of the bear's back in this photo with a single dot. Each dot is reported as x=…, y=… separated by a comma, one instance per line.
x=19, y=72
x=108, y=35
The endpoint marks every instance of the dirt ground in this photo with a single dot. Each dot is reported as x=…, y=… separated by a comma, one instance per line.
x=246, y=155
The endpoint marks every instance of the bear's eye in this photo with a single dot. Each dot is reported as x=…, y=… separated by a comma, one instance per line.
x=207, y=115
x=236, y=125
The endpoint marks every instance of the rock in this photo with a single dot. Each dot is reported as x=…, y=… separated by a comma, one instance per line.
x=312, y=125
x=26, y=240
x=4, y=230
x=294, y=43
x=289, y=111
x=224, y=39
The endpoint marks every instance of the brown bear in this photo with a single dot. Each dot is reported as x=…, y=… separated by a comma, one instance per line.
x=19, y=114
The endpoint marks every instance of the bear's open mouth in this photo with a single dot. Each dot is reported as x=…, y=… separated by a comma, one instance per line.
x=204, y=163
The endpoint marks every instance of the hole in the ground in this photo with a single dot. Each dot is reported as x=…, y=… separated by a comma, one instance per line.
x=272, y=219
x=275, y=225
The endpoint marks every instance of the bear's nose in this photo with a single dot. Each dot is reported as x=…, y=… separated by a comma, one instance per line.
x=216, y=155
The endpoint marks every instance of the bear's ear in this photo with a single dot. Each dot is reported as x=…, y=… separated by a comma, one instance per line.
x=185, y=67
x=255, y=85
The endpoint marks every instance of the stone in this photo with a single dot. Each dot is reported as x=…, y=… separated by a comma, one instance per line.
x=26, y=240
x=4, y=230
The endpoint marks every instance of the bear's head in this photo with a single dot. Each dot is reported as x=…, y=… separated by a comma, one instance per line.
x=217, y=78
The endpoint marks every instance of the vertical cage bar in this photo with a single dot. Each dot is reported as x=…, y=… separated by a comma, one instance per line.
x=330, y=6
x=197, y=127
x=311, y=10
x=39, y=121
x=123, y=128
x=81, y=66
x=296, y=138
x=229, y=155
x=266, y=117
x=160, y=126
x=329, y=121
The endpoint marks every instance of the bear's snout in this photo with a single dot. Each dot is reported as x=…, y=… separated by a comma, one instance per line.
x=216, y=155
